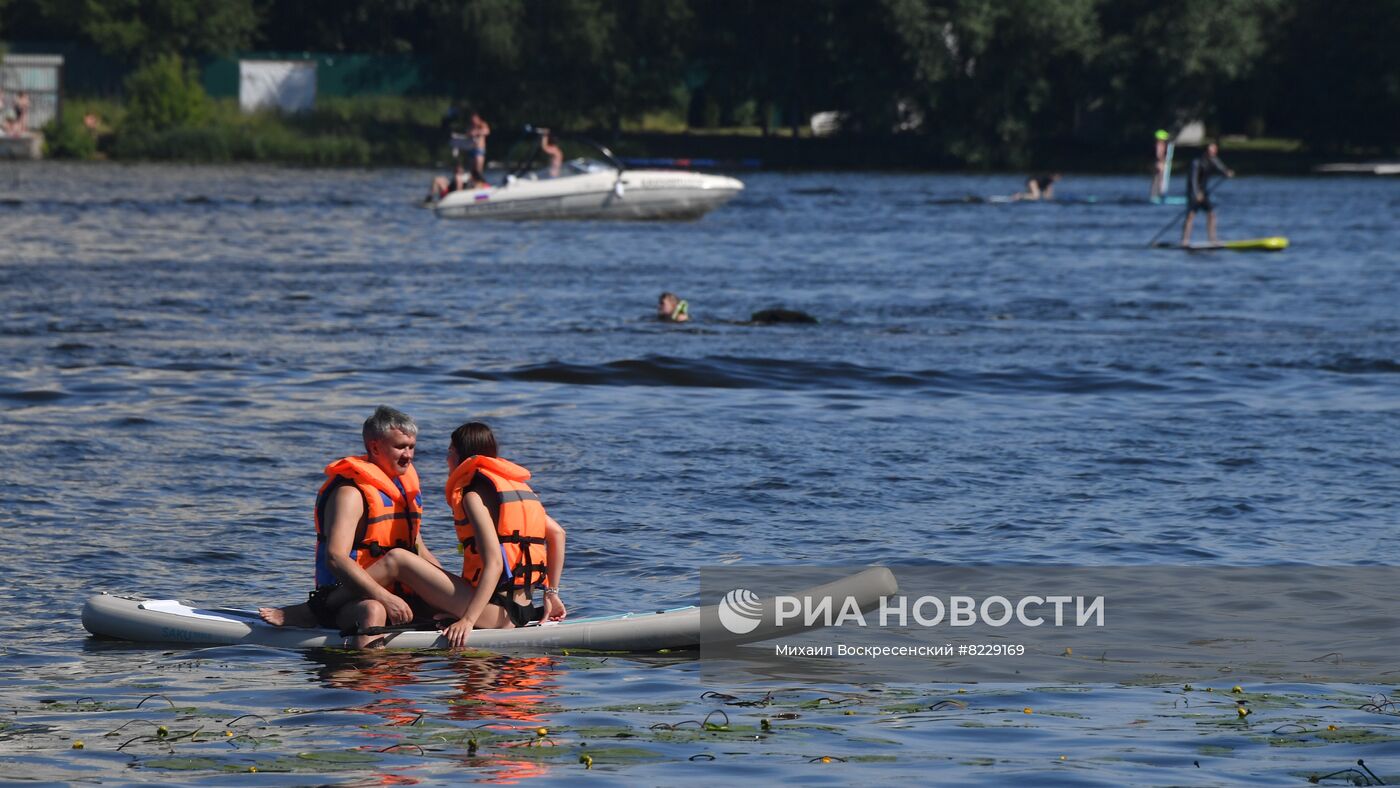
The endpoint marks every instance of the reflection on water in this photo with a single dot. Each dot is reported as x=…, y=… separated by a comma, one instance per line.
x=490, y=687
x=509, y=696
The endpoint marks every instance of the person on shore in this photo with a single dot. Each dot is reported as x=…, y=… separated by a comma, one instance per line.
x=477, y=132
x=1198, y=189
x=369, y=506
x=510, y=546
x=673, y=308
x=17, y=121
x=1039, y=187
x=443, y=186
x=552, y=151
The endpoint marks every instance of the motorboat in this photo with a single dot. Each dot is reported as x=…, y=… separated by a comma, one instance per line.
x=591, y=188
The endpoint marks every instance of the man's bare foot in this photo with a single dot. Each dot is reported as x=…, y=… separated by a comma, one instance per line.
x=289, y=616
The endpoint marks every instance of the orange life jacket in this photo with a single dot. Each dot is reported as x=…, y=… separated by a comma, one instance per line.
x=393, y=511
x=520, y=524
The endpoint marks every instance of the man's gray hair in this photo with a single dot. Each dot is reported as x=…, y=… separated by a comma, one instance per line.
x=386, y=420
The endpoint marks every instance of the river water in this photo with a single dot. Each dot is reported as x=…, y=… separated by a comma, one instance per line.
x=185, y=348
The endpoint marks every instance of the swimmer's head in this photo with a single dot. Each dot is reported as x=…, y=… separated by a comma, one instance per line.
x=672, y=307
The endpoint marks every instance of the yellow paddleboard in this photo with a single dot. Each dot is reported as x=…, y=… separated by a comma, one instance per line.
x=1276, y=243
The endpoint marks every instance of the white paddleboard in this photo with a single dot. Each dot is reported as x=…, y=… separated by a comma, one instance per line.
x=169, y=621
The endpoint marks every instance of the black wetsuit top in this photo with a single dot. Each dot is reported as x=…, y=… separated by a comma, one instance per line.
x=1198, y=179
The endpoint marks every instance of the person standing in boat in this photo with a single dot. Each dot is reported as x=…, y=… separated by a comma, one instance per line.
x=477, y=132
x=1198, y=191
x=369, y=506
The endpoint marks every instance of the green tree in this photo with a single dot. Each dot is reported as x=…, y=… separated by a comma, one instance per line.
x=991, y=76
x=644, y=57
x=163, y=95
x=1337, y=75
x=141, y=31
x=66, y=137
x=732, y=60
x=357, y=26
x=1168, y=61
x=782, y=58
x=601, y=62
x=478, y=44
x=561, y=62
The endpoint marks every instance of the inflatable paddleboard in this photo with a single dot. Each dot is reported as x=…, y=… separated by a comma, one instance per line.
x=1070, y=199
x=1275, y=243
x=169, y=621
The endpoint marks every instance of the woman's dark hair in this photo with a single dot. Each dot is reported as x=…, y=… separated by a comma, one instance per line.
x=473, y=438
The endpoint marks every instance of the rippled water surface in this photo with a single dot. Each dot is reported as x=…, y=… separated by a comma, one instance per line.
x=185, y=348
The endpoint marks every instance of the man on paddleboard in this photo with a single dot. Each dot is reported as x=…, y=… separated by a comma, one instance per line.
x=1198, y=191
x=368, y=505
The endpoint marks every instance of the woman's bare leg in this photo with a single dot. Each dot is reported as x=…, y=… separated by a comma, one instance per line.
x=443, y=590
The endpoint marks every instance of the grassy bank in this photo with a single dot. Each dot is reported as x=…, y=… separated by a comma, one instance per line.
x=378, y=131
x=339, y=132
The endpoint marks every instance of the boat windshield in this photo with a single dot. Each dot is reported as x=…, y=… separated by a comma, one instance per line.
x=529, y=164
x=579, y=166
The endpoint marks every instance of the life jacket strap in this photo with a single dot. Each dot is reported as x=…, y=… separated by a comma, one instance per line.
x=515, y=538
x=410, y=516
x=517, y=496
x=378, y=550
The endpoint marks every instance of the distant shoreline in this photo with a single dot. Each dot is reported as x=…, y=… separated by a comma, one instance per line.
x=712, y=151
x=401, y=133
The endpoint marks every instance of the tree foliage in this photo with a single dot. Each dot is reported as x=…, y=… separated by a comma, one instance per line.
x=1338, y=73
x=143, y=31
x=162, y=95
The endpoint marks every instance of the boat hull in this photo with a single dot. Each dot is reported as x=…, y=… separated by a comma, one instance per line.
x=637, y=194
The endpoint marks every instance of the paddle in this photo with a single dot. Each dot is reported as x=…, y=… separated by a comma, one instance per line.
x=1182, y=215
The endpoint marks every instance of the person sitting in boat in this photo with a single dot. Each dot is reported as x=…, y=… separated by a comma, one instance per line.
x=510, y=546
x=552, y=151
x=1039, y=187
x=369, y=507
x=443, y=186
x=673, y=308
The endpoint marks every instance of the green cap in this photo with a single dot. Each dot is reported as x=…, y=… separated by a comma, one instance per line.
x=1163, y=135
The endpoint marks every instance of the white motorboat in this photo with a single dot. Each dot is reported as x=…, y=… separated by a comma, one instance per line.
x=588, y=188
